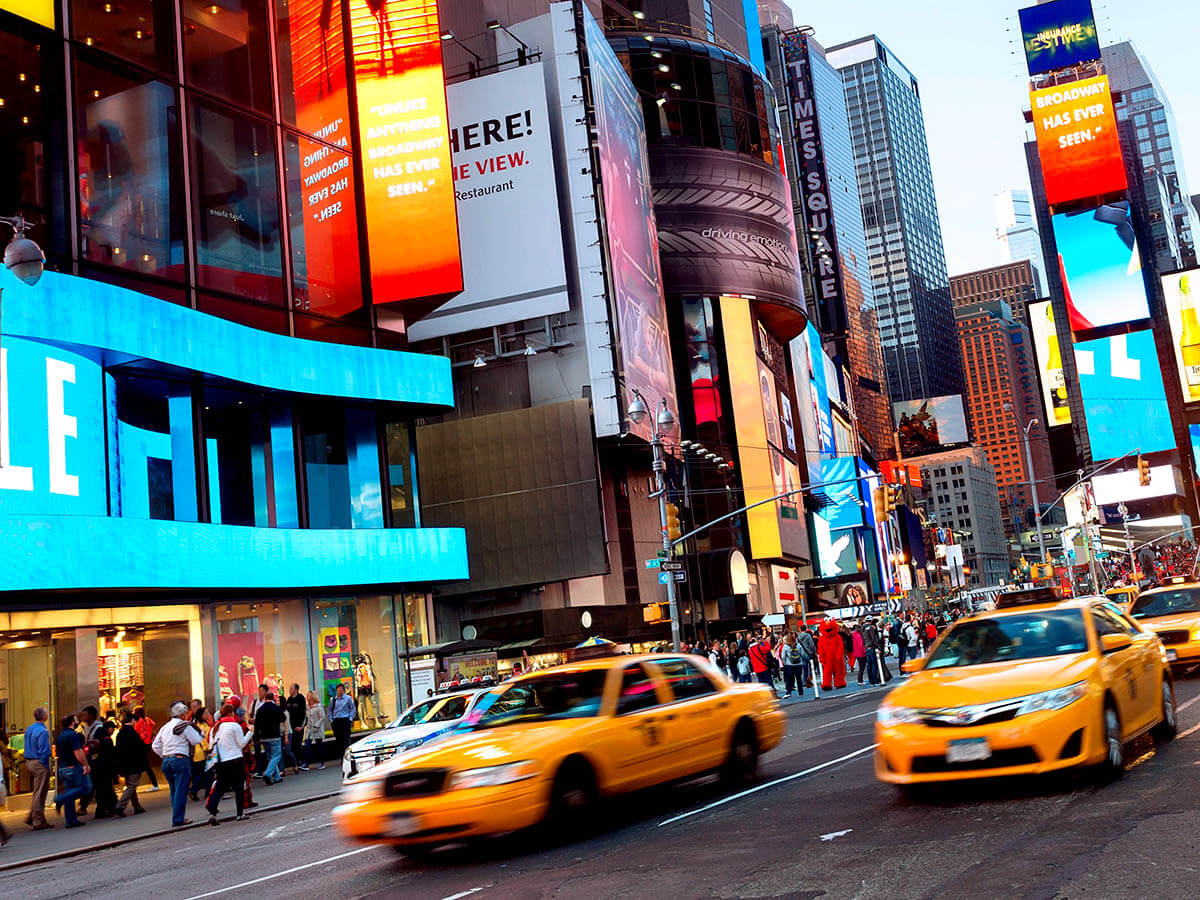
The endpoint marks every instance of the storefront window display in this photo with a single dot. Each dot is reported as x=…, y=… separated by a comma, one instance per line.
x=355, y=641
x=262, y=642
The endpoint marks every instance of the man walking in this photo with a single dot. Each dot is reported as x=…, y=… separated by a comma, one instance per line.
x=341, y=718
x=37, y=761
x=131, y=763
x=297, y=712
x=268, y=721
x=174, y=743
x=792, y=658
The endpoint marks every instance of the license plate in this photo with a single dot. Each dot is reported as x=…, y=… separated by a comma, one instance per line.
x=401, y=825
x=1172, y=656
x=968, y=750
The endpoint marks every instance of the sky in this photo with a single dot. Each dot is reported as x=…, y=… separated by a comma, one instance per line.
x=966, y=55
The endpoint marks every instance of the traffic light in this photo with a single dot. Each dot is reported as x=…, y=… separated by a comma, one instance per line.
x=879, y=496
x=895, y=497
x=887, y=498
x=1143, y=467
x=673, y=529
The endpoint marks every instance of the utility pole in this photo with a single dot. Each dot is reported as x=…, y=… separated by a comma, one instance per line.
x=1037, y=509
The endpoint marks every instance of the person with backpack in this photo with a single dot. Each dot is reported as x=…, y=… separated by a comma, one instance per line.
x=808, y=652
x=899, y=640
x=793, y=659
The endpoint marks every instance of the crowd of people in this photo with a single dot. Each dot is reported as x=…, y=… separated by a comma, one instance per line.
x=202, y=756
x=828, y=651
x=1155, y=563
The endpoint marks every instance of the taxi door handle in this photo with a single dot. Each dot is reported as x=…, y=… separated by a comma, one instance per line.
x=723, y=704
x=670, y=718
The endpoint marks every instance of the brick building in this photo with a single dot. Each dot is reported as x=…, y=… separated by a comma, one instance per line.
x=1014, y=283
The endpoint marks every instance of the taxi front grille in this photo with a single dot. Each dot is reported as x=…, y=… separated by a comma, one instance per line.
x=1000, y=759
x=1001, y=716
x=415, y=784
x=1174, y=637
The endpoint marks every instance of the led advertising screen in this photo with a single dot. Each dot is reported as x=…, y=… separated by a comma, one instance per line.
x=1048, y=357
x=1077, y=140
x=40, y=11
x=1059, y=35
x=1100, y=266
x=1181, y=292
x=503, y=174
x=404, y=134
x=1121, y=386
x=632, y=233
x=928, y=426
x=313, y=71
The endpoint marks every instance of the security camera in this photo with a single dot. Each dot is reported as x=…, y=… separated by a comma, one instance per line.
x=22, y=256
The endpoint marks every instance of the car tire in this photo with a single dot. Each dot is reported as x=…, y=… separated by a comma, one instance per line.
x=573, y=797
x=741, y=765
x=1168, y=727
x=1113, y=766
x=418, y=853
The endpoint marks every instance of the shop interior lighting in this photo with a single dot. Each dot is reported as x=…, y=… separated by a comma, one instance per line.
x=120, y=636
x=530, y=350
x=638, y=14
x=480, y=362
x=214, y=9
x=663, y=67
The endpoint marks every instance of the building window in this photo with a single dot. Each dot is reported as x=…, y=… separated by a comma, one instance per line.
x=341, y=465
x=153, y=444
x=225, y=51
x=142, y=32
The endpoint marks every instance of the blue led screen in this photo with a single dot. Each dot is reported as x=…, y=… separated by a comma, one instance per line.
x=1124, y=403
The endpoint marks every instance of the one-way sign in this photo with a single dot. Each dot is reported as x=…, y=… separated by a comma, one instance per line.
x=672, y=565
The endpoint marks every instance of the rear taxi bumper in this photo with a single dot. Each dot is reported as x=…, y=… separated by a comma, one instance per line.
x=771, y=726
x=448, y=816
x=1028, y=745
x=1187, y=652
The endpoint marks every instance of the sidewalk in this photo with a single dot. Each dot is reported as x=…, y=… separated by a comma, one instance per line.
x=28, y=846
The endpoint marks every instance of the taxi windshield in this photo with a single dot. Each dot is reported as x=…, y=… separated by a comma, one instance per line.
x=1006, y=638
x=558, y=695
x=1165, y=603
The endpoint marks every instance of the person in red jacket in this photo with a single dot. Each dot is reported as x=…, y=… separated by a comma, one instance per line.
x=832, y=654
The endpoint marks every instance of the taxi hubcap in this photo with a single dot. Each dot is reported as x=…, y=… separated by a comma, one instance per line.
x=1168, y=706
x=1116, y=755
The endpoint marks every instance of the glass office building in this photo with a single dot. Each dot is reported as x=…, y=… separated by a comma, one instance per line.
x=207, y=476
x=899, y=209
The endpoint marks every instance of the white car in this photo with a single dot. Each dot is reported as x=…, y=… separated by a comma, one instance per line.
x=418, y=724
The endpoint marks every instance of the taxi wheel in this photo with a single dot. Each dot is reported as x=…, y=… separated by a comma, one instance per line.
x=1167, y=728
x=1114, y=758
x=741, y=766
x=572, y=798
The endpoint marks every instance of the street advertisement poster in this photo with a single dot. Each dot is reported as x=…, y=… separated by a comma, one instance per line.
x=1047, y=352
x=631, y=229
x=931, y=425
x=503, y=175
x=806, y=405
x=333, y=645
x=1181, y=293
x=1077, y=140
x=241, y=666
x=1058, y=35
x=467, y=666
x=1101, y=267
x=408, y=191
x=1124, y=402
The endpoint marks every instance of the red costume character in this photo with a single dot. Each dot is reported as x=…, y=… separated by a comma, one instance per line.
x=832, y=653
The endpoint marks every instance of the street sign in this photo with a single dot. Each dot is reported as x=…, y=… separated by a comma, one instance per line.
x=672, y=565
x=663, y=554
x=664, y=577
x=653, y=563
x=679, y=576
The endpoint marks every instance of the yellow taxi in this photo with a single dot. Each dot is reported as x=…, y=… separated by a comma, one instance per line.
x=1123, y=596
x=546, y=746
x=1173, y=613
x=1034, y=686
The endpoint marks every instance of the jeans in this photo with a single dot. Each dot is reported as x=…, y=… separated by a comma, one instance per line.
x=201, y=778
x=72, y=784
x=230, y=776
x=273, y=750
x=297, y=742
x=178, y=772
x=764, y=677
x=341, y=736
x=901, y=653
x=793, y=676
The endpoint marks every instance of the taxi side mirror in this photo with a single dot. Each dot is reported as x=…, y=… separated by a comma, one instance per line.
x=1111, y=643
x=913, y=665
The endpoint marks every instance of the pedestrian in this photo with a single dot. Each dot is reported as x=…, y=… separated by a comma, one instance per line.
x=341, y=717
x=146, y=728
x=909, y=633
x=74, y=781
x=248, y=759
x=260, y=761
x=760, y=662
x=131, y=764
x=792, y=658
x=102, y=757
x=931, y=633
x=832, y=654
x=297, y=711
x=268, y=726
x=315, y=723
x=227, y=741
x=87, y=720
x=5, y=834
x=174, y=743
x=871, y=643
x=37, y=762
x=203, y=720
x=808, y=653
x=858, y=652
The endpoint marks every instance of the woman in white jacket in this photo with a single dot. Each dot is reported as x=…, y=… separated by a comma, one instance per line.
x=314, y=729
x=228, y=739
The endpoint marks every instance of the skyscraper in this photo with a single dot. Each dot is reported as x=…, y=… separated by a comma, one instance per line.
x=1139, y=99
x=1014, y=283
x=904, y=238
x=1017, y=233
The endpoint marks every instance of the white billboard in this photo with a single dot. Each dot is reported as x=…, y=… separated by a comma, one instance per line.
x=507, y=200
x=1119, y=487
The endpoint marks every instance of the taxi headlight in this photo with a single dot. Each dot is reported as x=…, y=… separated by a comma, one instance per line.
x=413, y=744
x=361, y=791
x=491, y=776
x=896, y=715
x=1055, y=699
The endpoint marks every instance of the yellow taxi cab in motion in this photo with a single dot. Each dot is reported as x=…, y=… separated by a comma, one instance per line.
x=1123, y=595
x=1033, y=686
x=1173, y=613
x=547, y=745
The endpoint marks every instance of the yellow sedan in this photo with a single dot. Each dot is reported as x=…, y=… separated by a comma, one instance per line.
x=1023, y=690
x=548, y=745
x=1173, y=613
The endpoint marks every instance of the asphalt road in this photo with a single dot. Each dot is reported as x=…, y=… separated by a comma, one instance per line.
x=816, y=825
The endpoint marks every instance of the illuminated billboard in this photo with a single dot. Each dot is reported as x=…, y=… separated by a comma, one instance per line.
x=404, y=135
x=929, y=426
x=1059, y=35
x=1181, y=292
x=1077, y=140
x=1047, y=352
x=1100, y=266
x=40, y=11
x=1121, y=386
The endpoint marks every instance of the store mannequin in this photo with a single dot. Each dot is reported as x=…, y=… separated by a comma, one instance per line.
x=364, y=691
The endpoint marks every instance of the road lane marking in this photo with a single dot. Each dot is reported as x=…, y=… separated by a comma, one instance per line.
x=467, y=893
x=275, y=831
x=1184, y=706
x=320, y=862
x=1191, y=730
x=840, y=721
x=836, y=834
x=764, y=786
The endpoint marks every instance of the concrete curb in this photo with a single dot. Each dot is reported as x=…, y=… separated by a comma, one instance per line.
x=202, y=823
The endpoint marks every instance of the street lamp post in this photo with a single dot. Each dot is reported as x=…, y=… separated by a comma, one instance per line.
x=1037, y=508
x=664, y=423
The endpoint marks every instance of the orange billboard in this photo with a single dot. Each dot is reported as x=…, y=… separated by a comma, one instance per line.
x=404, y=136
x=1077, y=140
